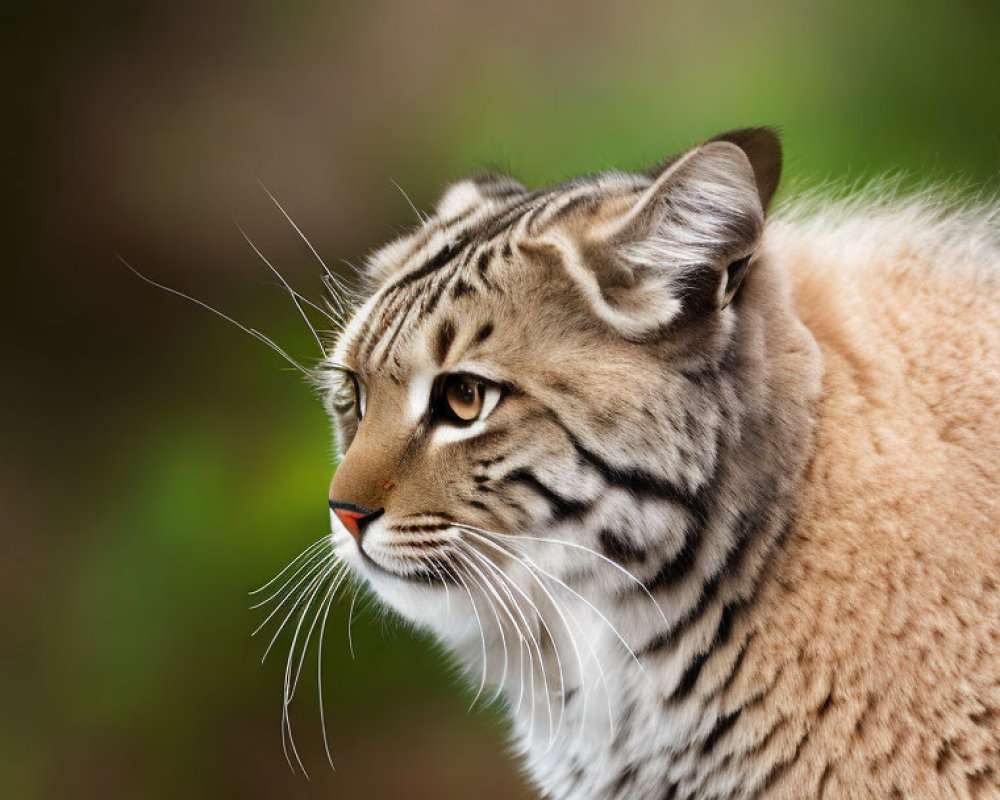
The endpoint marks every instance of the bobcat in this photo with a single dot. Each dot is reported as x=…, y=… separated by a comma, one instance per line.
x=711, y=501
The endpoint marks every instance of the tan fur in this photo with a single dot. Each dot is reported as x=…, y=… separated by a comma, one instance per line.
x=883, y=611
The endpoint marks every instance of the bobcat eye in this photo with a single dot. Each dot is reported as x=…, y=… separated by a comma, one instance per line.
x=462, y=399
x=350, y=397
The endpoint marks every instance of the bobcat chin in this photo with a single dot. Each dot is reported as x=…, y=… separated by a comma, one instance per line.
x=708, y=496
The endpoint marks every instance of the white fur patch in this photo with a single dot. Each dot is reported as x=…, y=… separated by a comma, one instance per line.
x=459, y=198
x=419, y=392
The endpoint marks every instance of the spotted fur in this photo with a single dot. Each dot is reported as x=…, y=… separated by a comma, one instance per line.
x=731, y=529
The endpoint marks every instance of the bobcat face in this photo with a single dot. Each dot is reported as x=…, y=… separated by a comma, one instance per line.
x=532, y=370
x=451, y=445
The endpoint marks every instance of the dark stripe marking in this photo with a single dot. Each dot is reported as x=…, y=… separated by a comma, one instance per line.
x=745, y=525
x=721, y=637
x=443, y=341
x=462, y=287
x=620, y=548
x=483, y=333
x=678, y=565
x=438, y=260
x=562, y=507
x=722, y=725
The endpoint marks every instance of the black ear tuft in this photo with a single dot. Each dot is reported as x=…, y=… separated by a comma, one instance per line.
x=763, y=149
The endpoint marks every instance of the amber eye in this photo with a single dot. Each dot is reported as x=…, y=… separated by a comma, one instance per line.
x=464, y=396
x=461, y=398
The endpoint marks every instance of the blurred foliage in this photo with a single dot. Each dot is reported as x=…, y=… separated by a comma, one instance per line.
x=159, y=465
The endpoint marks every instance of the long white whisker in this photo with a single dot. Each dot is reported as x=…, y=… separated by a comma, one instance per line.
x=319, y=675
x=478, y=533
x=310, y=595
x=482, y=636
x=318, y=574
x=421, y=217
x=292, y=293
x=284, y=743
x=336, y=321
x=534, y=640
x=503, y=606
x=444, y=583
x=523, y=650
x=292, y=223
x=532, y=569
x=260, y=337
x=311, y=547
x=592, y=607
x=310, y=568
x=332, y=588
x=522, y=647
x=531, y=686
x=337, y=288
x=604, y=558
x=506, y=581
x=306, y=563
x=340, y=291
x=484, y=582
x=350, y=619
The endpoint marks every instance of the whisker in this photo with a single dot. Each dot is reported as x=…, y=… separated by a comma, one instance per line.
x=482, y=636
x=319, y=671
x=531, y=686
x=433, y=565
x=310, y=595
x=359, y=273
x=350, y=619
x=532, y=569
x=333, y=586
x=538, y=653
x=292, y=293
x=532, y=639
x=317, y=577
x=503, y=638
x=423, y=219
x=260, y=337
x=337, y=288
x=307, y=570
x=601, y=556
x=583, y=599
x=569, y=630
x=327, y=313
x=291, y=222
x=306, y=563
x=325, y=537
x=504, y=582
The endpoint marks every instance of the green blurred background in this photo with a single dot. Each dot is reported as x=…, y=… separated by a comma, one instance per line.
x=157, y=464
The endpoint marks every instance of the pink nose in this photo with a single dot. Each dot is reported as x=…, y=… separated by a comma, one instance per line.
x=350, y=520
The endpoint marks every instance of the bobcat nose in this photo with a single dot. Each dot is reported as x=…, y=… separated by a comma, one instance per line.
x=353, y=517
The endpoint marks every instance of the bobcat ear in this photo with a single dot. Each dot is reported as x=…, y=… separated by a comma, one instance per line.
x=466, y=195
x=684, y=245
x=763, y=150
